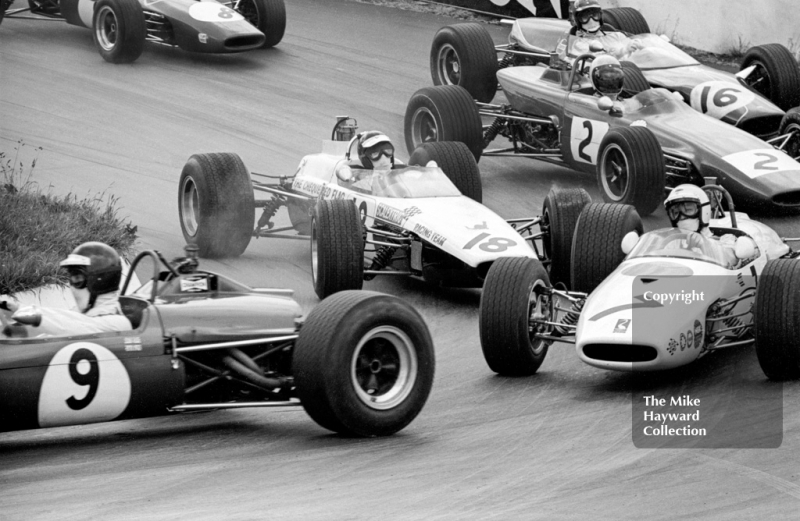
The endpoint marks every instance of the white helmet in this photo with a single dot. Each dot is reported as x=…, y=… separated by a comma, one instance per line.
x=688, y=208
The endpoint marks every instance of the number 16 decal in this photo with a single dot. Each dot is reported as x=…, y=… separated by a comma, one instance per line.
x=84, y=382
x=490, y=244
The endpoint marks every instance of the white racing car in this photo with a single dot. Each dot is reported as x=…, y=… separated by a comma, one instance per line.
x=410, y=221
x=674, y=297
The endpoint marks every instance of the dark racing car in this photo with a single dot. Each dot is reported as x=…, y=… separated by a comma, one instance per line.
x=121, y=27
x=361, y=363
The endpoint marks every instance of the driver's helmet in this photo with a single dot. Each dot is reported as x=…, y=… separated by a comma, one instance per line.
x=95, y=267
x=583, y=10
x=372, y=145
x=607, y=75
x=688, y=208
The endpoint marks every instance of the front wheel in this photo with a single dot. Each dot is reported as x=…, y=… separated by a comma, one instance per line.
x=268, y=16
x=337, y=247
x=444, y=113
x=118, y=30
x=514, y=295
x=560, y=213
x=790, y=124
x=777, y=319
x=630, y=168
x=626, y=19
x=464, y=54
x=456, y=161
x=216, y=204
x=776, y=76
x=363, y=364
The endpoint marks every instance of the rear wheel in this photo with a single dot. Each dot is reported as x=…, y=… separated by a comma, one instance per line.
x=216, y=204
x=445, y=113
x=337, y=247
x=464, y=54
x=456, y=161
x=560, y=213
x=634, y=81
x=776, y=320
x=630, y=168
x=790, y=124
x=363, y=364
x=513, y=294
x=597, y=245
x=118, y=30
x=626, y=19
x=776, y=76
x=268, y=16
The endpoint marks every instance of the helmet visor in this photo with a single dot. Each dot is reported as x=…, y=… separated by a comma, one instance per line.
x=608, y=79
x=595, y=13
x=684, y=209
x=381, y=149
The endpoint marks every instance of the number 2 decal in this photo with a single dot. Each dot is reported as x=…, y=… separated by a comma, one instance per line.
x=585, y=138
x=765, y=164
x=84, y=382
x=491, y=245
x=755, y=163
x=582, y=147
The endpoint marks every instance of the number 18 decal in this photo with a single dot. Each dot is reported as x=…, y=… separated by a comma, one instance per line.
x=84, y=383
x=755, y=163
x=491, y=244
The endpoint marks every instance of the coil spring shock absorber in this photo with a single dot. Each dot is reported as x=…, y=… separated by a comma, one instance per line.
x=491, y=132
x=735, y=322
x=506, y=61
x=270, y=209
x=381, y=259
x=570, y=319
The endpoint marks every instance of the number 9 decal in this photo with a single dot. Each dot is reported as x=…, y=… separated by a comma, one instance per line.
x=84, y=383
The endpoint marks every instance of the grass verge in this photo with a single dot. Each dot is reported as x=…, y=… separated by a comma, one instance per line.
x=38, y=229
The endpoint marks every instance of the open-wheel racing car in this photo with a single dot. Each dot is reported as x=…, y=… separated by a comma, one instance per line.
x=755, y=99
x=121, y=27
x=635, y=145
x=408, y=221
x=361, y=363
x=616, y=311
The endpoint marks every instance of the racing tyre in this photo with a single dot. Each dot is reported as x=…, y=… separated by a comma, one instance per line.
x=118, y=30
x=630, y=168
x=560, y=213
x=634, y=81
x=776, y=76
x=626, y=19
x=444, y=113
x=790, y=124
x=777, y=320
x=216, y=204
x=512, y=294
x=337, y=247
x=597, y=244
x=456, y=161
x=363, y=364
x=463, y=54
x=268, y=16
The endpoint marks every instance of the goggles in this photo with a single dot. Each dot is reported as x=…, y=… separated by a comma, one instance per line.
x=77, y=276
x=685, y=209
x=583, y=16
x=381, y=149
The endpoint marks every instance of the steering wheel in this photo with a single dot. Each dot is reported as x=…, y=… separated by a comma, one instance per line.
x=157, y=260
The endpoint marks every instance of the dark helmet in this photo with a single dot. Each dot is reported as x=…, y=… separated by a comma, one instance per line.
x=373, y=144
x=607, y=75
x=99, y=265
x=582, y=10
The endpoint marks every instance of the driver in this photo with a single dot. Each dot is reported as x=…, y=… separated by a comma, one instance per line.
x=607, y=76
x=376, y=153
x=689, y=209
x=587, y=21
x=94, y=271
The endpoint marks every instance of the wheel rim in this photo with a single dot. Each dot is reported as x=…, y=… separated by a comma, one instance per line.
x=423, y=127
x=448, y=65
x=548, y=235
x=249, y=10
x=314, y=251
x=614, y=170
x=538, y=310
x=190, y=206
x=384, y=368
x=792, y=146
x=106, y=28
x=760, y=80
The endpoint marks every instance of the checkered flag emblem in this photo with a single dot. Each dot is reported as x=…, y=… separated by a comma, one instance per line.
x=411, y=212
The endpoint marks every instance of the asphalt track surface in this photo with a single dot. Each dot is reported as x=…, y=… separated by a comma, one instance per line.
x=557, y=445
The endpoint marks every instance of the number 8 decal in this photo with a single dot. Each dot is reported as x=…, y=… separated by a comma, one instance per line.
x=84, y=383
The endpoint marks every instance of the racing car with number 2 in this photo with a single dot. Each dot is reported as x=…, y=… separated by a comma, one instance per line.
x=361, y=363
x=121, y=27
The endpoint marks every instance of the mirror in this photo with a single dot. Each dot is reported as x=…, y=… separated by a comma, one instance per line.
x=665, y=38
x=344, y=173
x=605, y=103
x=629, y=241
x=744, y=73
x=596, y=46
x=745, y=248
x=28, y=315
